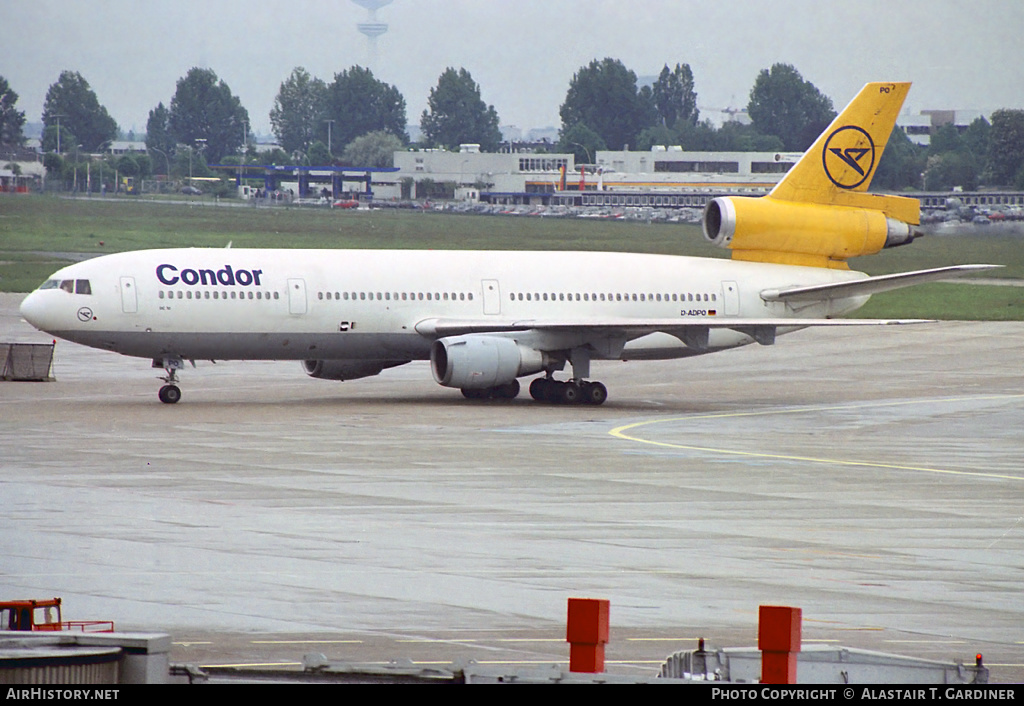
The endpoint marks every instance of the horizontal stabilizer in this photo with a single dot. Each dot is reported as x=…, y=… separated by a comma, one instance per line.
x=870, y=285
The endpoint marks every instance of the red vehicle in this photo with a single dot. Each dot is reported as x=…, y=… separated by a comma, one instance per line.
x=44, y=615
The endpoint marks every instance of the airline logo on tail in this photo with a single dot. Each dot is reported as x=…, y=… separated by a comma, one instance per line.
x=848, y=148
x=848, y=151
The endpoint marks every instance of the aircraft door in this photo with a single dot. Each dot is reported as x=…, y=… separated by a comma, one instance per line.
x=297, y=296
x=731, y=298
x=492, y=296
x=129, y=300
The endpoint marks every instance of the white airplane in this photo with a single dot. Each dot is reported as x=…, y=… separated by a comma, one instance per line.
x=485, y=319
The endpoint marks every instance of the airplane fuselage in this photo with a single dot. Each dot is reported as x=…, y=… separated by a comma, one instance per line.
x=228, y=304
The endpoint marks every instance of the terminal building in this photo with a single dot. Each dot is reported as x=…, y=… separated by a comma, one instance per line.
x=555, y=178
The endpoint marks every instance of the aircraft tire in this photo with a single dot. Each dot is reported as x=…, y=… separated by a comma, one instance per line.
x=568, y=393
x=594, y=393
x=169, y=394
x=508, y=391
x=541, y=389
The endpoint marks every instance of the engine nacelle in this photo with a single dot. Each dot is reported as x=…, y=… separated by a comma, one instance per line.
x=479, y=362
x=347, y=369
x=769, y=230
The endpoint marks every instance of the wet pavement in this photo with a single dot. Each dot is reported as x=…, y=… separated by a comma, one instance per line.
x=872, y=477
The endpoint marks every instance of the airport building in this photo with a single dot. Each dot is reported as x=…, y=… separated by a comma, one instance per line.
x=546, y=178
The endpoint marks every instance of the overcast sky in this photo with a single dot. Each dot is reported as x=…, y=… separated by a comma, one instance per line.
x=522, y=53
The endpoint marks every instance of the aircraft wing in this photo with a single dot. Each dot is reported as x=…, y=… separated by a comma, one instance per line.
x=634, y=328
x=870, y=285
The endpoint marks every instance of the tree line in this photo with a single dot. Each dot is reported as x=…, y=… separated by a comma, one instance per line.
x=357, y=119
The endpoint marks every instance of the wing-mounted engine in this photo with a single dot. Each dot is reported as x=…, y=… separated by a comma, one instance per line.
x=478, y=362
x=347, y=369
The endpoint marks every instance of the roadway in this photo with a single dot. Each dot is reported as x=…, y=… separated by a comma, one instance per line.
x=873, y=478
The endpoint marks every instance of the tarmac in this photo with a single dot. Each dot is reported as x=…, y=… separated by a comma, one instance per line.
x=873, y=477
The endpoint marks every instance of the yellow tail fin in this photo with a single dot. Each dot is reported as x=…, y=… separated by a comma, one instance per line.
x=820, y=214
x=839, y=166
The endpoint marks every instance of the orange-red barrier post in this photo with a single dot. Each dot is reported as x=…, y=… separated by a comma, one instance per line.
x=587, y=633
x=778, y=638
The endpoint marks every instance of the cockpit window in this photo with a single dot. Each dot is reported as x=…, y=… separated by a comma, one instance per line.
x=50, y=284
x=68, y=286
x=82, y=286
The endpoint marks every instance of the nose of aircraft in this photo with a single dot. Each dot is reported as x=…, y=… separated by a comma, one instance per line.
x=34, y=311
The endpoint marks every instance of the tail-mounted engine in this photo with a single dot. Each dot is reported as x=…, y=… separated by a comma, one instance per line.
x=818, y=235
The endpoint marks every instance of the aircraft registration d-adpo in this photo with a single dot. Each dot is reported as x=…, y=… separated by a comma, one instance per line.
x=485, y=319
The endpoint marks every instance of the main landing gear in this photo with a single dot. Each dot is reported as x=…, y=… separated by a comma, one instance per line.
x=547, y=389
x=578, y=390
x=169, y=393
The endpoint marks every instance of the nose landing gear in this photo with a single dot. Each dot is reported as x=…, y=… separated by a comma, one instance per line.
x=170, y=393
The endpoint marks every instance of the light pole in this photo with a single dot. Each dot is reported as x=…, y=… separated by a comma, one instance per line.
x=166, y=159
x=241, y=156
x=329, y=124
x=58, y=117
x=78, y=149
x=200, y=148
x=577, y=144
